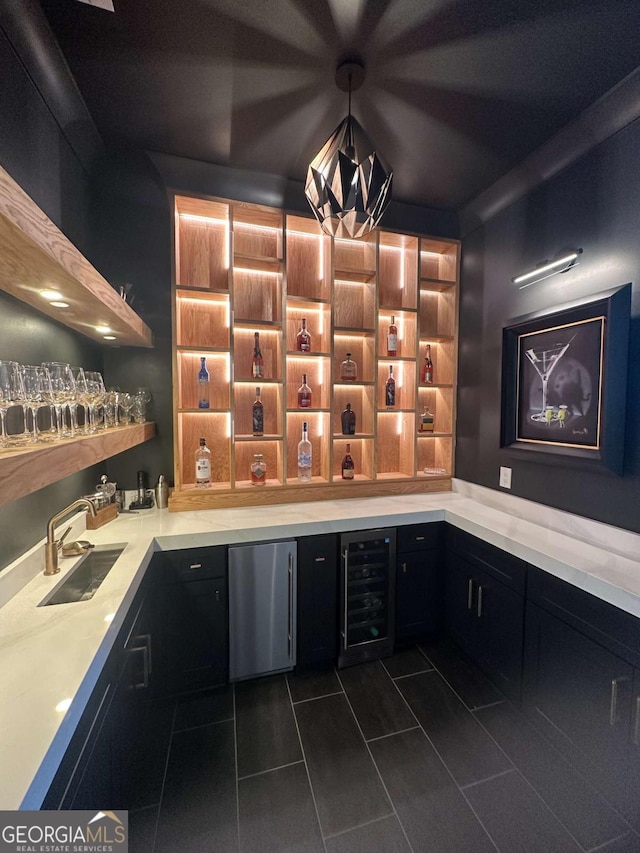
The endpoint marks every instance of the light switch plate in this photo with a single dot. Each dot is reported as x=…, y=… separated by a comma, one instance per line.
x=505, y=477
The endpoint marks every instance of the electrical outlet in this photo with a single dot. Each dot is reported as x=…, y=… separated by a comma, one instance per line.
x=130, y=496
x=505, y=477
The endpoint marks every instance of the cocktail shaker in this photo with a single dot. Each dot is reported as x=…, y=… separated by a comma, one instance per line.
x=162, y=493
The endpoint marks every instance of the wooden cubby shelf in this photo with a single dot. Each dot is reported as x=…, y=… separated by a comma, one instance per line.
x=243, y=268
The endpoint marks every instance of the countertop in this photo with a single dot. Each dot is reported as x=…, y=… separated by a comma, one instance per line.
x=53, y=655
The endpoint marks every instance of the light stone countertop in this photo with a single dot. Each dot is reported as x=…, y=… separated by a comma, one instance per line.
x=49, y=654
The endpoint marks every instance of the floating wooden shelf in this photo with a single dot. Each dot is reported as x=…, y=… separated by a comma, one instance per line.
x=35, y=256
x=28, y=469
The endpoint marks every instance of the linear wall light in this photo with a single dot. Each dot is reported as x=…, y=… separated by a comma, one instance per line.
x=547, y=269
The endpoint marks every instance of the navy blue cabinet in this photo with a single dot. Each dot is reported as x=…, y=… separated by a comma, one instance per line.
x=317, y=617
x=419, y=576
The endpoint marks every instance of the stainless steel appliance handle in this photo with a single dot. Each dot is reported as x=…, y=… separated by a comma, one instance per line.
x=636, y=728
x=142, y=685
x=479, y=611
x=290, y=631
x=613, y=706
x=470, y=594
x=345, y=557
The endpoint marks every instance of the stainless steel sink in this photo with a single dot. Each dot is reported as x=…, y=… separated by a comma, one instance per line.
x=84, y=580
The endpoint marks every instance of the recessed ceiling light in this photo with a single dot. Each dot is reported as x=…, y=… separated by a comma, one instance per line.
x=63, y=706
x=109, y=337
x=50, y=295
x=103, y=330
x=57, y=304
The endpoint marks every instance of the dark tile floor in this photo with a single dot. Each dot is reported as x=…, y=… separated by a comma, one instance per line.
x=418, y=752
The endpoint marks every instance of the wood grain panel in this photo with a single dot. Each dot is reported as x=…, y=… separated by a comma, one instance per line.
x=361, y=452
x=318, y=379
x=188, y=391
x=398, y=271
x=354, y=305
x=435, y=454
x=245, y=395
x=257, y=296
x=407, y=325
x=440, y=403
x=443, y=357
x=438, y=314
x=319, y=438
x=202, y=322
x=362, y=349
x=395, y=443
x=35, y=255
x=438, y=259
x=308, y=265
x=404, y=372
x=355, y=254
x=273, y=457
x=362, y=399
x=214, y=427
x=258, y=239
x=318, y=319
x=202, y=253
x=28, y=469
x=270, y=347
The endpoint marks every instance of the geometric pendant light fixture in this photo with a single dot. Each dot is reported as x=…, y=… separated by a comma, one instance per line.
x=348, y=182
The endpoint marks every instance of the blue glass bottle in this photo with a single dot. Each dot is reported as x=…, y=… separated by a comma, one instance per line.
x=203, y=384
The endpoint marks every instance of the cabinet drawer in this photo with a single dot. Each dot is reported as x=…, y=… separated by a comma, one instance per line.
x=504, y=567
x=420, y=537
x=615, y=629
x=195, y=564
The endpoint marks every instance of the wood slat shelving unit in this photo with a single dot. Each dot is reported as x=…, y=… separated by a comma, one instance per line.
x=242, y=268
x=29, y=468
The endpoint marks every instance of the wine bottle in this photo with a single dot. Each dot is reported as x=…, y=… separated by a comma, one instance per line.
x=348, y=421
x=427, y=367
x=348, y=370
x=258, y=470
x=392, y=338
x=304, y=456
x=303, y=338
x=304, y=394
x=390, y=390
x=203, y=384
x=348, y=467
x=203, y=465
x=257, y=364
x=258, y=415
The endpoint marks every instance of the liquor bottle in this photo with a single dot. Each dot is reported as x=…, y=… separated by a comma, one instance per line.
x=203, y=465
x=348, y=421
x=257, y=364
x=390, y=390
x=304, y=394
x=203, y=384
x=392, y=338
x=348, y=468
x=258, y=470
x=426, y=420
x=348, y=370
x=303, y=338
x=304, y=456
x=427, y=367
x=258, y=415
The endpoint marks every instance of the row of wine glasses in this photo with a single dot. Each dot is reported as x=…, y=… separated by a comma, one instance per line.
x=62, y=389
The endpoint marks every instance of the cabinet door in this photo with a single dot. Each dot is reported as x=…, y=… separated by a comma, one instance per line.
x=579, y=692
x=417, y=594
x=460, y=601
x=317, y=599
x=499, y=613
x=95, y=782
x=632, y=806
x=196, y=640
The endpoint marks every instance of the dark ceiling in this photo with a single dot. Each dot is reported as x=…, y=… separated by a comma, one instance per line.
x=457, y=91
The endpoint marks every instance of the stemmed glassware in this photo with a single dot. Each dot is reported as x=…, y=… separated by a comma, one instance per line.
x=82, y=399
x=126, y=404
x=64, y=391
x=37, y=393
x=95, y=395
x=11, y=394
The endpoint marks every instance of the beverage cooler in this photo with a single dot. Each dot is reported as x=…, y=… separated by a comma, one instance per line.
x=367, y=596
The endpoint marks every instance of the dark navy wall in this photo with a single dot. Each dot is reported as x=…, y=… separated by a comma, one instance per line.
x=594, y=204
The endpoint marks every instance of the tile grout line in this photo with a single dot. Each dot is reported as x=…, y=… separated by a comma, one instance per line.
x=235, y=755
x=346, y=696
x=490, y=705
x=270, y=770
x=488, y=779
x=391, y=734
x=407, y=674
x=203, y=725
x=359, y=826
x=164, y=775
x=315, y=698
x=606, y=844
x=444, y=763
x=306, y=766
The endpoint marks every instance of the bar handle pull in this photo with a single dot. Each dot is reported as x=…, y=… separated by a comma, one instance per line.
x=290, y=631
x=345, y=557
x=479, y=610
x=320, y=559
x=613, y=705
x=404, y=568
x=636, y=727
x=142, y=685
x=419, y=538
x=470, y=594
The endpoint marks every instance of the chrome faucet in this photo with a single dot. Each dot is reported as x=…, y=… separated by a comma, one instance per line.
x=51, y=548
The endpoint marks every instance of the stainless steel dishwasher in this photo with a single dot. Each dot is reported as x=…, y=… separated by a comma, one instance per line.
x=262, y=609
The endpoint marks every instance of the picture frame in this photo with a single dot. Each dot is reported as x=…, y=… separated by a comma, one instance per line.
x=564, y=380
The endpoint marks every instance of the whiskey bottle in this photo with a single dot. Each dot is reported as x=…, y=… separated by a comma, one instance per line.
x=426, y=420
x=427, y=367
x=348, y=467
x=390, y=390
x=203, y=465
x=257, y=364
x=258, y=415
x=348, y=421
x=203, y=384
x=258, y=470
x=304, y=394
x=392, y=338
x=303, y=338
x=348, y=370
x=304, y=456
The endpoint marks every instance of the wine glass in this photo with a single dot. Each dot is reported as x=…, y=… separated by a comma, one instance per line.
x=142, y=397
x=63, y=387
x=126, y=404
x=38, y=392
x=11, y=394
x=95, y=395
x=114, y=404
x=81, y=399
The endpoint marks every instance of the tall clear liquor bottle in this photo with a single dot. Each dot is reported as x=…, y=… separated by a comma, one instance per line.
x=304, y=394
x=427, y=367
x=303, y=338
x=390, y=390
x=258, y=415
x=257, y=363
x=392, y=338
x=203, y=465
x=348, y=466
x=203, y=384
x=348, y=421
x=305, y=454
